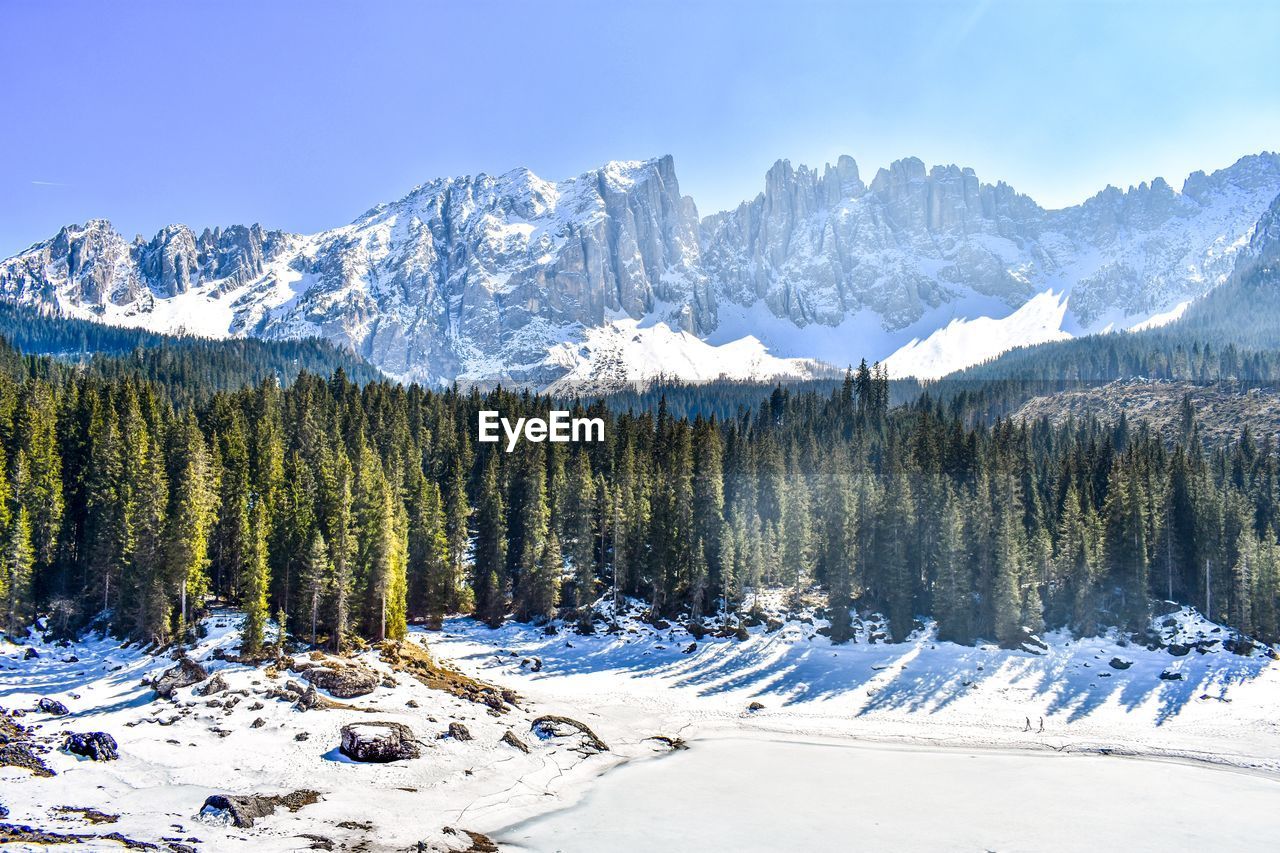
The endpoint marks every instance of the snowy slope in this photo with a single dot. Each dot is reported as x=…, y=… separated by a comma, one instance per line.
x=628, y=353
x=964, y=342
x=1186, y=699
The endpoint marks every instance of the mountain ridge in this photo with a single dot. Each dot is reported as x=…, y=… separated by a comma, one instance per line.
x=503, y=278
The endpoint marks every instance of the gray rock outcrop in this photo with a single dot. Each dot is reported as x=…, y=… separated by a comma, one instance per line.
x=378, y=741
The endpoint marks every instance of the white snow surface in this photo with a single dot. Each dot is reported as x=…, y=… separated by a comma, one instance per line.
x=643, y=681
x=630, y=352
x=1164, y=318
x=966, y=342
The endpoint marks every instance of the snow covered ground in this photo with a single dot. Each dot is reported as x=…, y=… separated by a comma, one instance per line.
x=1219, y=724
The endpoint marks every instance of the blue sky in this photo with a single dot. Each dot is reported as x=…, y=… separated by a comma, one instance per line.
x=301, y=115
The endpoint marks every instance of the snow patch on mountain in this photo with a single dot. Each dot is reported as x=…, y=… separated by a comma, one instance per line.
x=627, y=353
x=1163, y=318
x=965, y=342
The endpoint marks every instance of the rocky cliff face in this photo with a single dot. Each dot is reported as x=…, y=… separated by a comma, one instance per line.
x=478, y=277
x=502, y=278
x=91, y=270
x=819, y=248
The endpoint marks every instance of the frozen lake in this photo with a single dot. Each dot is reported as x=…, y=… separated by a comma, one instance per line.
x=757, y=795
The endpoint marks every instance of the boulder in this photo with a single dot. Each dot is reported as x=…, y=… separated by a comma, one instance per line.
x=52, y=706
x=311, y=700
x=345, y=683
x=217, y=684
x=458, y=731
x=1178, y=649
x=1169, y=675
x=182, y=674
x=31, y=654
x=99, y=746
x=553, y=726
x=378, y=742
x=755, y=706
x=21, y=755
x=476, y=842
x=243, y=811
x=672, y=743
x=510, y=739
x=1242, y=646
x=1120, y=663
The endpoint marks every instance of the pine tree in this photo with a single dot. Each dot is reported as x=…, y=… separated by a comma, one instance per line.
x=431, y=568
x=380, y=551
x=797, y=536
x=147, y=604
x=840, y=557
x=189, y=518
x=108, y=537
x=534, y=524
x=253, y=584
x=1266, y=592
x=953, y=588
x=543, y=585
x=1242, y=582
x=339, y=529
x=16, y=563
x=315, y=575
x=491, y=548
x=1126, y=544
x=1010, y=560
x=457, y=516
x=895, y=576
x=35, y=437
x=708, y=498
x=231, y=542
x=579, y=535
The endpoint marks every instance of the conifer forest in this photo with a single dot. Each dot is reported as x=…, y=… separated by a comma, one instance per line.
x=341, y=512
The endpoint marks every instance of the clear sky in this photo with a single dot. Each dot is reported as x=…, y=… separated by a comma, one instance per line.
x=301, y=115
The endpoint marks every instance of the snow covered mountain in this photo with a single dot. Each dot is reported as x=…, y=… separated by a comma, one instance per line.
x=612, y=277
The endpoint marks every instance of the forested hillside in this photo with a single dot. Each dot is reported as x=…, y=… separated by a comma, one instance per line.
x=352, y=510
x=186, y=365
x=1220, y=410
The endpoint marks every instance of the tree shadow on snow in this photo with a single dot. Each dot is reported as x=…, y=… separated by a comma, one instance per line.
x=921, y=675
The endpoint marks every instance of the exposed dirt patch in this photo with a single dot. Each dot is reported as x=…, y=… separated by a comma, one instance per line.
x=411, y=658
x=87, y=814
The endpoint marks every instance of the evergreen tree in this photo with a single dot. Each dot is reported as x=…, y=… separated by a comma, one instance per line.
x=491, y=548
x=840, y=556
x=1010, y=556
x=953, y=588
x=35, y=438
x=579, y=535
x=16, y=563
x=339, y=526
x=537, y=585
x=315, y=575
x=253, y=584
x=190, y=516
x=431, y=569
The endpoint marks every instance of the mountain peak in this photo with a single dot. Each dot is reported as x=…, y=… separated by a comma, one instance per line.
x=501, y=278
